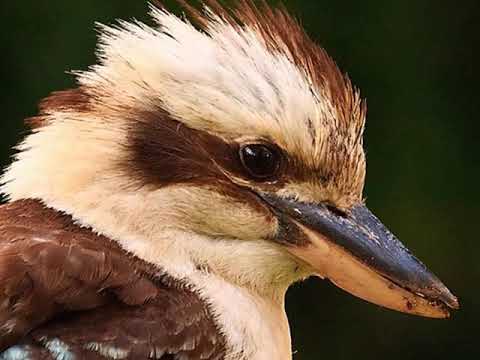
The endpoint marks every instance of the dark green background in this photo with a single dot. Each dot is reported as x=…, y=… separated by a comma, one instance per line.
x=414, y=62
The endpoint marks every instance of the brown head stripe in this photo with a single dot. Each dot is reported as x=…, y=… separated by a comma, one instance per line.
x=165, y=151
x=72, y=100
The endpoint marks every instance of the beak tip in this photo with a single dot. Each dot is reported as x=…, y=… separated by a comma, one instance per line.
x=453, y=302
x=446, y=297
x=437, y=294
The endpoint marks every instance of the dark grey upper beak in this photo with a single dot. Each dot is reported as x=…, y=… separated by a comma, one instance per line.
x=362, y=235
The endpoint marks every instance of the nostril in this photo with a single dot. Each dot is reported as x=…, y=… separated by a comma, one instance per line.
x=337, y=211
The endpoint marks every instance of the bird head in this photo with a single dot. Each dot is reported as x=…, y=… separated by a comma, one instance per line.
x=233, y=146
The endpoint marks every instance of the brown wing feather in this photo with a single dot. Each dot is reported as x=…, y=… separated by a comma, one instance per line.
x=60, y=281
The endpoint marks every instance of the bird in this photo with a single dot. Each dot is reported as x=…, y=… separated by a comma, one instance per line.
x=162, y=207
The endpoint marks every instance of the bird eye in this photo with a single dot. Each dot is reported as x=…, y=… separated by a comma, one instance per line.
x=261, y=161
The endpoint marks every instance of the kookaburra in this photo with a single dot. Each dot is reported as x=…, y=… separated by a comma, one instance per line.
x=161, y=209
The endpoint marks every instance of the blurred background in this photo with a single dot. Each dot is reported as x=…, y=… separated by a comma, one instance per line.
x=414, y=62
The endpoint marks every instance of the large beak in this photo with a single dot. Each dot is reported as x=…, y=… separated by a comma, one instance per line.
x=358, y=253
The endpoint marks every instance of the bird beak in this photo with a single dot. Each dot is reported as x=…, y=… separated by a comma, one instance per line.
x=360, y=255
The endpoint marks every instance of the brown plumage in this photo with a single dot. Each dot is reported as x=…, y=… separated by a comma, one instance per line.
x=50, y=267
x=77, y=100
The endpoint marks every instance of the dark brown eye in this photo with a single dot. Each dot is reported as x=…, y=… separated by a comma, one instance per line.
x=261, y=161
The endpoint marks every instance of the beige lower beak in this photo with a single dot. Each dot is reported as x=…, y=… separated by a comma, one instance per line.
x=331, y=261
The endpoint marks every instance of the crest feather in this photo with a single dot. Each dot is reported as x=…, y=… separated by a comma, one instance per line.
x=283, y=34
